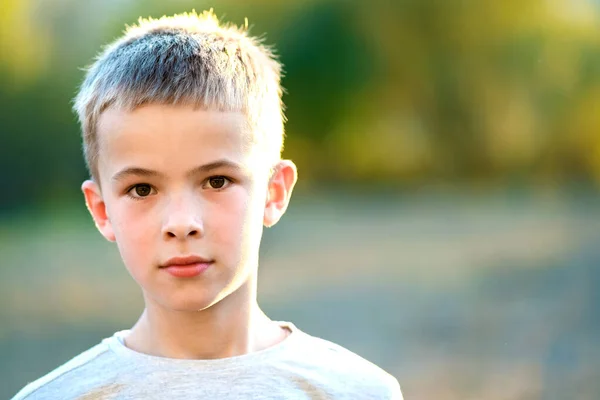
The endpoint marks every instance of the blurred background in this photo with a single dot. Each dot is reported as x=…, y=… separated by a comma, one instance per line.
x=449, y=154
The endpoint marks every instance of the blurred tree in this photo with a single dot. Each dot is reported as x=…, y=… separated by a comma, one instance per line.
x=24, y=43
x=378, y=92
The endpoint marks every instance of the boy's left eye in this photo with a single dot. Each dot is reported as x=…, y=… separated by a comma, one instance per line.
x=217, y=182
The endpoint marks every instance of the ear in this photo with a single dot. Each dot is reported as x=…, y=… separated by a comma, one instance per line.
x=281, y=185
x=97, y=207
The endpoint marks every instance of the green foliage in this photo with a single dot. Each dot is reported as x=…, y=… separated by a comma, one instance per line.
x=406, y=91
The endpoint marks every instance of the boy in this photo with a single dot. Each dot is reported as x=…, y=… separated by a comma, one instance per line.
x=183, y=130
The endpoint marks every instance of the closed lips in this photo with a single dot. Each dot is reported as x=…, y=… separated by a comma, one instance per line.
x=183, y=261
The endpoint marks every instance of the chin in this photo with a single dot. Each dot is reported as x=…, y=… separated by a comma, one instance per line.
x=195, y=296
x=190, y=303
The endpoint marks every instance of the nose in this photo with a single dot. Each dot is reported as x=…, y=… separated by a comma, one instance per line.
x=183, y=220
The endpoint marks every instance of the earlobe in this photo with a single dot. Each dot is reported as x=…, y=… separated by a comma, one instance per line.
x=97, y=208
x=281, y=186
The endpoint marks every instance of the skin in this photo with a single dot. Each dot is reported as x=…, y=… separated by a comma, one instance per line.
x=177, y=181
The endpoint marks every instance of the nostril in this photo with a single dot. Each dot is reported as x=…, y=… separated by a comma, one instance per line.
x=173, y=233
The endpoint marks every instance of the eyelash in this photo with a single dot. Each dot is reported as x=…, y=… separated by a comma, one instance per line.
x=134, y=197
x=228, y=181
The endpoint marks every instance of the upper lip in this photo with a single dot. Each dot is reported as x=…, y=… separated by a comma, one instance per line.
x=187, y=260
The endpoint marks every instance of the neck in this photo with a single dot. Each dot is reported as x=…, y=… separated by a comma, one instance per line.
x=234, y=326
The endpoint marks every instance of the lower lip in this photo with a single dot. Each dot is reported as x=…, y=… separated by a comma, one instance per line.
x=188, y=270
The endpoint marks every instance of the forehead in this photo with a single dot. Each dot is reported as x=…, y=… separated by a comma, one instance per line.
x=171, y=136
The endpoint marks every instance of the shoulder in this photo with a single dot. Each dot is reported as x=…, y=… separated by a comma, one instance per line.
x=63, y=378
x=345, y=370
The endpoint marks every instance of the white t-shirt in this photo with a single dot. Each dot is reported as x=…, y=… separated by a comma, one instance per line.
x=300, y=367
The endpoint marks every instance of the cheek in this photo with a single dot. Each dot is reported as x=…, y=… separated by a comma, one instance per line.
x=132, y=229
x=236, y=222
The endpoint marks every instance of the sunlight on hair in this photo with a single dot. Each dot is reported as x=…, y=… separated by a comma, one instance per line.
x=185, y=59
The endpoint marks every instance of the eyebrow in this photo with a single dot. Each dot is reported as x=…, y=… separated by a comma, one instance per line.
x=144, y=172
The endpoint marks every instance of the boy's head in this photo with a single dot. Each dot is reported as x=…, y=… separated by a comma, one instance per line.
x=187, y=59
x=183, y=129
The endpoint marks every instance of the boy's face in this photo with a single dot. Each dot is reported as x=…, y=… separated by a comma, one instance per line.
x=178, y=182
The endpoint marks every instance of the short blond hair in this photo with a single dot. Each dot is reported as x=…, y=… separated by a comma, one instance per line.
x=185, y=59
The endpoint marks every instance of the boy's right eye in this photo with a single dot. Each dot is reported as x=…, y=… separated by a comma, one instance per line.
x=140, y=190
